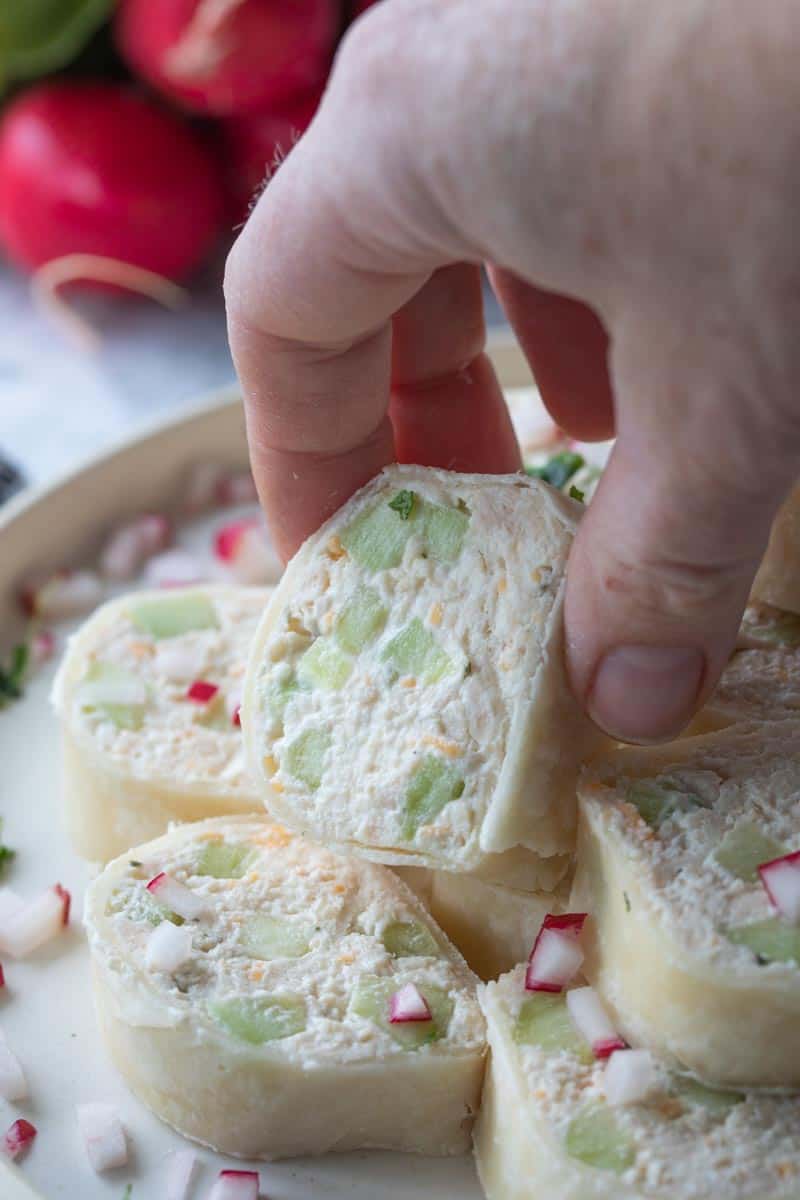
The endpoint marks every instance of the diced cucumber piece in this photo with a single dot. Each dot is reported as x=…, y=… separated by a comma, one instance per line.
x=114, y=692
x=445, y=530
x=305, y=757
x=783, y=630
x=657, y=801
x=405, y=939
x=594, y=1137
x=717, y=1102
x=371, y=1000
x=267, y=1019
x=279, y=693
x=772, y=940
x=225, y=860
x=743, y=850
x=544, y=1021
x=433, y=784
x=324, y=665
x=415, y=651
x=376, y=538
x=169, y=616
x=267, y=938
x=360, y=621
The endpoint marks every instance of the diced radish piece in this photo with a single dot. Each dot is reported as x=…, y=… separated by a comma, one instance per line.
x=781, y=878
x=630, y=1077
x=201, y=486
x=201, y=691
x=175, y=568
x=62, y=595
x=235, y=1185
x=103, y=1136
x=169, y=947
x=2, y=977
x=236, y=489
x=593, y=1022
x=25, y=929
x=10, y=904
x=236, y=716
x=13, y=1084
x=180, y=1174
x=244, y=548
x=556, y=956
x=18, y=1138
x=408, y=1004
x=133, y=543
x=228, y=537
x=179, y=661
x=43, y=647
x=175, y=897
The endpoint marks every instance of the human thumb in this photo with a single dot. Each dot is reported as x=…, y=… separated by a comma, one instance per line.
x=661, y=568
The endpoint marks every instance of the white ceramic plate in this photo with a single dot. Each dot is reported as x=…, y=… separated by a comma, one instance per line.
x=46, y=1010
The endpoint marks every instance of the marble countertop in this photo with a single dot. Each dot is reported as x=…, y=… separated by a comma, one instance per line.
x=61, y=403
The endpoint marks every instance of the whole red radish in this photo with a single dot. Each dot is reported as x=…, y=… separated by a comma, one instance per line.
x=94, y=168
x=360, y=6
x=254, y=144
x=229, y=56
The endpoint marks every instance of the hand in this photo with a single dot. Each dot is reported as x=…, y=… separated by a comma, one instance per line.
x=643, y=160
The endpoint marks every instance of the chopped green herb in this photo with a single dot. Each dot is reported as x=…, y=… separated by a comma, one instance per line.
x=126, y=1195
x=627, y=900
x=559, y=469
x=6, y=854
x=134, y=862
x=577, y=494
x=12, y=676
x=403, y=504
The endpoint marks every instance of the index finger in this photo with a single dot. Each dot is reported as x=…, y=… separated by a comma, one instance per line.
x=312, y=286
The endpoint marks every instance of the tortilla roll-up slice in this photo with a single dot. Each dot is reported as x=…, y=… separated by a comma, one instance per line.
x=147, y=698
x=406, y=695
x=778, y=579
x=265, y=1022
x=493, y=926
x=683, y=941
x=548, y=1126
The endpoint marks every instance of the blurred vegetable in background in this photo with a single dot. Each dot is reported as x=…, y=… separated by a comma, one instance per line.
x=161, y=124
x=260, y=140
x=94, y=168
x=37, y=36
x=229, y=56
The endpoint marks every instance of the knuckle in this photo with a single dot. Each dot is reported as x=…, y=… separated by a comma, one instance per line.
x=659, y=587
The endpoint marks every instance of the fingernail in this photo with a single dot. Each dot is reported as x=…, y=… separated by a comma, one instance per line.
x=646, y=693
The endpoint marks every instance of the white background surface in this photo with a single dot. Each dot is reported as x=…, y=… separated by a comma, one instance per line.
x=60, y=404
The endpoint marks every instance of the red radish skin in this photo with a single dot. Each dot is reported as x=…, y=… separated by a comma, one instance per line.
x=408, y=1005
x=235, y=1185
x=236, y=718
x=549, y=971
x=2, y=977
x=66, y=902
x=256, y=144
x=608, y=1046
x=781, y=880
x=96, y=168
x=226, y=57
x=201, y=692
x=18, y=1138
